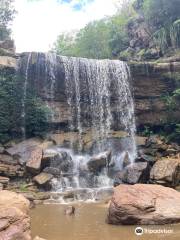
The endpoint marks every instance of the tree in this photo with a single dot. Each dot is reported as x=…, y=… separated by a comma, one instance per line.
x=160, y=13
x=65, y=44
x=7, y=13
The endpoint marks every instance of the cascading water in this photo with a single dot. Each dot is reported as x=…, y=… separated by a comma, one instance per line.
x=23, y=113
x=99, y=74
x=99, y=100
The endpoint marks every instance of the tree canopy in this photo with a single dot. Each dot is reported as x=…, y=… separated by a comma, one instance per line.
x=7, y=12
x=108, y=37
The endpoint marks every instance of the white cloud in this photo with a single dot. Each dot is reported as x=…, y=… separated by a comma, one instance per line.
x=38, y=23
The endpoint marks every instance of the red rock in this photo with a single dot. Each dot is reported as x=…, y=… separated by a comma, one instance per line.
x=166, y=170
x=144, y=204
x=14, y=219
x=43, y=178
x=33, y=164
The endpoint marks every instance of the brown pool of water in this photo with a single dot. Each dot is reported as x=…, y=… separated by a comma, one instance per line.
x=88, y=223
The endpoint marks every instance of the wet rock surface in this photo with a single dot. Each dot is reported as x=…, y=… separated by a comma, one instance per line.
x=43, y=179
x=144, y=204
x=99, y=161
x=133, y=173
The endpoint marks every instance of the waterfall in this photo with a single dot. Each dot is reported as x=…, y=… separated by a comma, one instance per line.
x=96, y=97
x=23, y=113
x=99, y=75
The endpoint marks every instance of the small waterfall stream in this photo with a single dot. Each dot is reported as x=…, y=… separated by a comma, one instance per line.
x=99, y=99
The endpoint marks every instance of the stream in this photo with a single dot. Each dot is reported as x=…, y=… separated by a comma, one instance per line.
x=88, y=223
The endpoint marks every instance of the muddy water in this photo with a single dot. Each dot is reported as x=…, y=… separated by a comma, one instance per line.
x=49, y=222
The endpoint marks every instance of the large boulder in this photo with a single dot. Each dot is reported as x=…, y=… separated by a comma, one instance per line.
x=144, y=204
x=166, y=171
x=134, y=173
x=14, y=219
x=33, y=164
x=43, y=179
x=23, y=150
x=96, y=163
x=62, y=161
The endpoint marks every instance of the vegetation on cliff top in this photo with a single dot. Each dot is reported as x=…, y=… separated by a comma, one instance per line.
x=144, y=28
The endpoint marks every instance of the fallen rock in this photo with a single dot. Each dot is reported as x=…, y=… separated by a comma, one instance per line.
x=70, y=210
x=43, y=178
x=99, y=161
x=145, y=158
x=53, y=171
x=144, y=204
x=126, y=160
x=49, y=154
x=14, y=219
x=4, y=180
x=23, y=150
x=6, y=159
x=10, y=170
x=31, y=196
x=141, y=141
x=33, y=164
x=136, y=173
x=166, y=171
x=62, y=161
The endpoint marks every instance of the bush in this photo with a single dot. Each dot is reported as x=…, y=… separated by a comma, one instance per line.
x=36, y=119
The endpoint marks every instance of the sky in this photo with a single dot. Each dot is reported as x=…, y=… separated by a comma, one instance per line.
x=39, y=22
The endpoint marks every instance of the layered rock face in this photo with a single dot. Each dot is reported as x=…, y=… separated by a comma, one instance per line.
x=150, y=82
x=144, y=204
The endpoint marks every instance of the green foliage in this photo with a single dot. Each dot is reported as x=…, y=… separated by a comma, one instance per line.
x=175, y=34
x=65, y=44
x=6, y=16
x=105, y=38
x=147, y=131
x=174, y=136
x=159, y=13
x=7, y=103
x=170, y=102
x=176, y=94
x=23, y=187
x=91, y=41
x=11, y=94
x=36, y=116
x=163, y=18
x=110, y=37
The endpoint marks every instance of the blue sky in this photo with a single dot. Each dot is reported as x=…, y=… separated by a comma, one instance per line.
x=38, y=23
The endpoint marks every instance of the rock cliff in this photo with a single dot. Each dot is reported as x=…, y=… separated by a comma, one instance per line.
x=150, y=83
